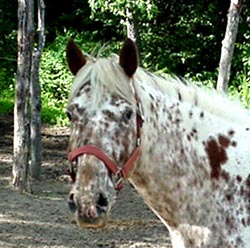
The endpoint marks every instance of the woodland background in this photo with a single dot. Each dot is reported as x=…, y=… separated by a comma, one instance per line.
x=180, y=37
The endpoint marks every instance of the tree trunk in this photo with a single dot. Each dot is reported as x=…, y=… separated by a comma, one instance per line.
x=228, y=43
x=132, y=27
x=21, y=110
x=27, y=121
x=35, y=98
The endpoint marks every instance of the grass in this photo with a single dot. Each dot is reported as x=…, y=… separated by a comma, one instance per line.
x=6, y=106
x=49, y=115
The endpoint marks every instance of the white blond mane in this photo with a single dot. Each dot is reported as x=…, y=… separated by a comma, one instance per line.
x=208, y=99
x=106, y=72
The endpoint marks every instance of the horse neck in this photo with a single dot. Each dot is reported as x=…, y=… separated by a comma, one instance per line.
x=176, y=127
x=191, y=157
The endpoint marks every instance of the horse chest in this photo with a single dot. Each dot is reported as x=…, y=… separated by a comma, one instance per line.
x=204, y=213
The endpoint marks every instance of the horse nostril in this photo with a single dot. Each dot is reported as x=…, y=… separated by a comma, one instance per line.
x=102, y=204
x=71, y=203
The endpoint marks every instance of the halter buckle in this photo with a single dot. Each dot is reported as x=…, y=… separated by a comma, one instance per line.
x=118, y=180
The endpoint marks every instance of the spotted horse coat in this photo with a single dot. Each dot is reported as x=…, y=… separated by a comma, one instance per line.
x=193, y=164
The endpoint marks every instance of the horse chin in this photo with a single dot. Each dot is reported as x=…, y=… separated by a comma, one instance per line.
x=91, y=223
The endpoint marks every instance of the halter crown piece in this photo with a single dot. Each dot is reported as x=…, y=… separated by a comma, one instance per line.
x=118, y=174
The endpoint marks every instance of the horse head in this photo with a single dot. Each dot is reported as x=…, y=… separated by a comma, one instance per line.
x=104, y=130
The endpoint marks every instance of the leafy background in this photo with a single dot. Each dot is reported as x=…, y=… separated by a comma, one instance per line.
x=181, y=37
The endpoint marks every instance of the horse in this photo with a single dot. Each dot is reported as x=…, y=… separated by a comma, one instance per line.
x=185, y=149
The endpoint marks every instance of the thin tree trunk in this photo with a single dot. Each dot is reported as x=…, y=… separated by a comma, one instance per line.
x=132, y=27
x=21, y=110
x=35, y=97
x=228, y=43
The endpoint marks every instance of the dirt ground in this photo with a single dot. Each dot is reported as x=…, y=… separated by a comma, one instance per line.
x=42, y=219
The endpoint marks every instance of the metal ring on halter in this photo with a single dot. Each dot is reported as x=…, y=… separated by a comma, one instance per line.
x=118, y=179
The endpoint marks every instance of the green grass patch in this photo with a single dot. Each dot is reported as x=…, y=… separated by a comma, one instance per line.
x=54, y=116
x=6, y=106
x=49, y=115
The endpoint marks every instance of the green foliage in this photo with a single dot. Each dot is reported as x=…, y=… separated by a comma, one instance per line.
x=8, y=34
x=187, y=41
x=181, y=37
x=113, y=14
x=204, y=78
x=53, y=115
x=8, y=20
x=55, y=81
x=240, y=85
x=7, y=100
x=6, y=106
x=56, y=78
x=145, y=8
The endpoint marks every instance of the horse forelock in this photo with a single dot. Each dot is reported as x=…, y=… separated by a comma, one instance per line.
x=103, y=73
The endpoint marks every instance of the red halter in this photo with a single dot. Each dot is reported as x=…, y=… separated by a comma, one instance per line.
x=118, y=173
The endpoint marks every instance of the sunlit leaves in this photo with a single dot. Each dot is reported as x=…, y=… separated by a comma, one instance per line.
x=146, y=8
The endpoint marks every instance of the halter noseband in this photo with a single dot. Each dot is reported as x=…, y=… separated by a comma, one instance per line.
x=117, y=173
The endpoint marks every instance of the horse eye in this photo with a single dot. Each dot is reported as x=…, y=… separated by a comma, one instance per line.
x=127, y=115
x=69, y=115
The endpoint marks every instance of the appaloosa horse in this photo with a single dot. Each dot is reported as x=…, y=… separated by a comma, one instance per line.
x=186, y=150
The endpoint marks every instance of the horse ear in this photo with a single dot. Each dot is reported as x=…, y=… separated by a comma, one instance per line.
x=75, y=57
x=129, y=57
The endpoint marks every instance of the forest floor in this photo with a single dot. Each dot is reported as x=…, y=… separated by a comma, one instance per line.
x=42, y=219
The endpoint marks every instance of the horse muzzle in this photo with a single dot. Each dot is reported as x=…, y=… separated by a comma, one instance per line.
x=89, y=215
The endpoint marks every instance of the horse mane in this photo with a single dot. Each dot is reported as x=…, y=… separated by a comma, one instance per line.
x=210, y=100
x=106, y=73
